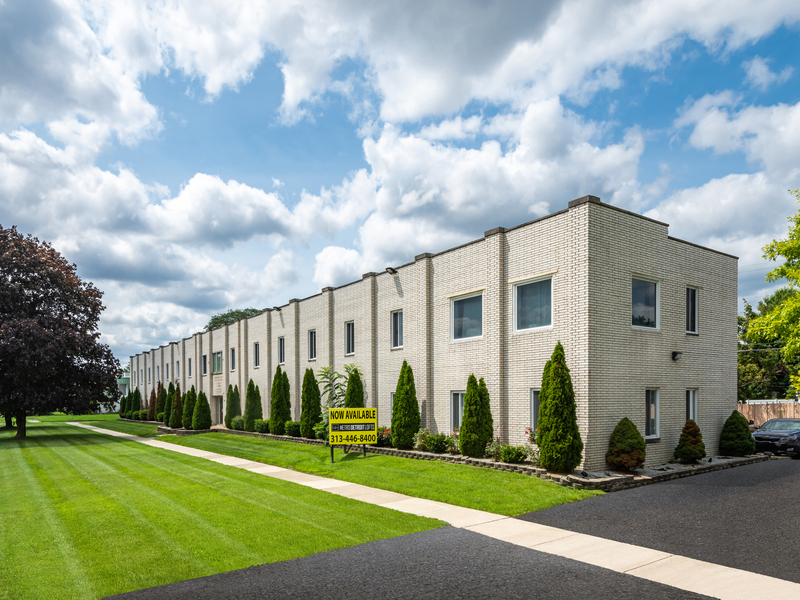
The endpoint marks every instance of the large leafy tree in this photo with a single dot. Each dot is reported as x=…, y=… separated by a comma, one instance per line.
x=231, y=316
x=50, y=354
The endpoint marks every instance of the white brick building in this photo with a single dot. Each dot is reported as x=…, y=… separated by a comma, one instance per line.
x=619, y=293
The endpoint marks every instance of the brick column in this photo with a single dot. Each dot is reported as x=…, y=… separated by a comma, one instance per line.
x=495, y=328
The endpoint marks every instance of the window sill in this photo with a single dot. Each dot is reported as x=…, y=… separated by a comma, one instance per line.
x=640, y=328
x=652, y=440
x=351, y=354
x=534, y=329
x=256, y=366
x=397, y=347
x=693, y=333
x=466, y=339
x=312, y=360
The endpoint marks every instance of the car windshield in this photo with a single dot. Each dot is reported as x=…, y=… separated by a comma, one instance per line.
x=781, y=425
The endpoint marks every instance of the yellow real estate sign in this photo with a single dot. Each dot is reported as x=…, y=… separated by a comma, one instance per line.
x=353, y=426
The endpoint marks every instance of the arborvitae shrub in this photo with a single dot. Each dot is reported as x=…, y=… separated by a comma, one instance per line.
x=228, y=404
x=280, y=405
x=310, y=408
x=261, y=426
x=202, y=413
x=237, y=423
x=188, y=408
x=160, y=417
x=405, y=412
x=292, y=428
x=470, y=434
x=541, y=427
x=168, y=400
x=561, y=446
x=161, y=399
x=354, y=396
x=176, y=415
x=151, y=407
x=626, y=448
x=512, y=454
x=691, y=446
x=123, y=404
x=252, y=407
x=736, y=439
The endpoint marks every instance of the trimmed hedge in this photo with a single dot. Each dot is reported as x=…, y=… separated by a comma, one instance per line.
x=237, y=423
x=160, y=417
x=513, y=454
x=626, y=448
x=736, y=438
x=292, y=428
x=202, y=413
x=261, y=426
x=437, y=442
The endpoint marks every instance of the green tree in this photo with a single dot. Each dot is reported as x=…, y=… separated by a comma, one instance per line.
x=123, y=404
x=189, y=401
x=161, y=399
x=783, y=321
x=168, y=400
x=487, y=423
x=470, y=435
x=311, y=410
x=561, y=445
x=176, y=414
x=151, y=406
x=202, y=413
x=231, y=316
x=626, y=448
x=354, y=395
x=690, y=446
x=252, y=407
x=233, y=406
x=228, y=403
x=280, y=403
x=541, y=423
x=405, y=411
x=736, y=439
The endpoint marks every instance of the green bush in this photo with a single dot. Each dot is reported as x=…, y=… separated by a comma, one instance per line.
x=151, y=406
x=252, y=407
x=292, y=428
x=476, y=426
x=421, y=440
x=405, y=412
x=626, y=448
x=320, y=430
x=237, y=423
x=690, y=447
x=354, y=395
x=280, y=403
x=160, y=417
x=161, y=399
x=233, y=405
x=188, y=408
x=168, y=400
x=310, y=407
x=513, y=454
x=202, y=413
x=560, y=446
x=123, y=404
x=436, y=442
x=137, y=415
x=493, y=449
x=261, y=426
x=176, y=414
x=736, y=439
x=384, y=437
x=453, y=446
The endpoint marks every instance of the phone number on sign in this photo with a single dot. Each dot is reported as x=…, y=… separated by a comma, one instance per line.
x=354, y=438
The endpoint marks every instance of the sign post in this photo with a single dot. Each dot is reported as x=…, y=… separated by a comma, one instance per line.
x=352, y=426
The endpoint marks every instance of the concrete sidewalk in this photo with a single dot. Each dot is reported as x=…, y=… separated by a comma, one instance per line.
x=684, y=573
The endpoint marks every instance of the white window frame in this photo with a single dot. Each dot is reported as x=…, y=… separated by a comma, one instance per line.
x=391, y=404
x=166, y=372
x=535, y=408
x=519, y=284
x=141, y=376
x=233, y=358
x=658, y=303
x=204, y=366
x=216, y=361
x=396, y=319
x=149, y=374
x=312, y=344
x=651, y=397
x=349, y=338
x=696, y=314
x=158, y=373
x=461, y=394
x=281, y=350
x=453, y=317
x=256, y=355
x=691, y=405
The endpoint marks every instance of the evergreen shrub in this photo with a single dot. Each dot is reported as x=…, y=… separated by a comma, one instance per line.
x=261, y=426
x=151, y=406
x=354, y=395
x=160, y=417
x=252, y=407
x=280, y=404
x=202, y=413
x=476, y=422
x=513, y=454
x=188, y=408
x=310, y=406
x=168, y=401
x=123, y=404
x=161, y=399
x=690, y=447
x=237, y=423
x=292, y=428
x=626, y=448
x=560, y=446
x=176, y=414
x=736, y=438
x=405, y=411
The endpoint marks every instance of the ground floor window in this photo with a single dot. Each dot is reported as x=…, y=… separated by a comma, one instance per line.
x=651, y=415
x=391, y=404
x=456, y=408
x=534, y=409
x=691, y=405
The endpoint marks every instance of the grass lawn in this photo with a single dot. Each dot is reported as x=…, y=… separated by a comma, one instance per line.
x=145, y=430
x=499, y=492
x=61, y=417
x=85, y=515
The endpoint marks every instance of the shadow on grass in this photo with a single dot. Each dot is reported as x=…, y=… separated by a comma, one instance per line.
x=53, y=435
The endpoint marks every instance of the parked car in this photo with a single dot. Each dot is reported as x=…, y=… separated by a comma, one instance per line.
x=773, y=436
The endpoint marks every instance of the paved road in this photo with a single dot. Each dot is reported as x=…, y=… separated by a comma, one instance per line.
x=440, y=564
x=747, y=518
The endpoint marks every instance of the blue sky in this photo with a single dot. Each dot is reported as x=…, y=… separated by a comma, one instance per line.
x=191, y=158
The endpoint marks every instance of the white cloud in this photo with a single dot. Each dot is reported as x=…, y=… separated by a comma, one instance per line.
x=452, y=129
x=336, y=265
x=759, y=75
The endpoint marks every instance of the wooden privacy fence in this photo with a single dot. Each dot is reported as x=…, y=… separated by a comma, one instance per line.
x=761, y=413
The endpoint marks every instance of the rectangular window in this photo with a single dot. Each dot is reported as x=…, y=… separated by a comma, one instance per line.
x=233, y=359
x=177, y=369
x=134, y=377
x=466, y=316
x=158, y=374
x=391, y=404
x=166, y=372
x=312, y=344
x=204, y=364
x=533, y=304
x=456, y=409
x=397, y=329
x=141, y=375
x=149, y=374
x=216, y=362
x=349, y=338
x=691, y=405
x=281, y=351
x=256, y=354
x=189, y=367
x=644, y=300
x=691, y=310
x=534, y=409
x=651, y=414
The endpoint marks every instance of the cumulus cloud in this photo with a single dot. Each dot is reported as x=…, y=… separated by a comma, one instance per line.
x=760, y=76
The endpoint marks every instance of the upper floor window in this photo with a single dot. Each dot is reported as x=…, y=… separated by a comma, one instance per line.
x=533, y=302
x=397, y=329
x=204, y=364
x=149, y=374
x=281, y=351
x=256, y=354
x=349, y=338
x=158, y=373
x=166, y=371
x=233, y=359
x=691, y=310
x=466, y=316
x=216, y=362
x=644, y=302
x=177, y=369
x=141, y=375
x=189, y=367
x=312, y=344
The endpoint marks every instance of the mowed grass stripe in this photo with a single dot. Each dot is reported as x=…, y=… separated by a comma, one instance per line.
x=140, y=516
x=146, y=430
